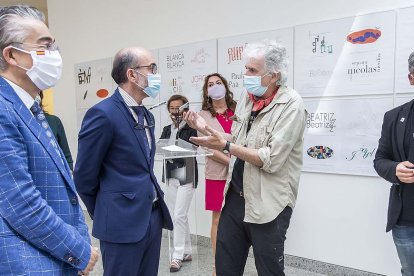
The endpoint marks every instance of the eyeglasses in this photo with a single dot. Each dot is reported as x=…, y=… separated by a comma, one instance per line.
x=152, y=66
x=50, y=46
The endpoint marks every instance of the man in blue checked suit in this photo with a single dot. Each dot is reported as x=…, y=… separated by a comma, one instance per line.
x=42, y=228
x=114, y=170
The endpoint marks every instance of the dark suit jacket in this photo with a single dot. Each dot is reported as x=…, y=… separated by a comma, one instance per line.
x=184, y=134
x=113, y=176
x=59, y=131
x=390, y=153
x=42, y=227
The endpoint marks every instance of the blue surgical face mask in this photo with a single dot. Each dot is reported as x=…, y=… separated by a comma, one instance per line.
x=253, y=85
x=154, y=85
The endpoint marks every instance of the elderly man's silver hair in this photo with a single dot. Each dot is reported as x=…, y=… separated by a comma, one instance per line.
x=274, y=54
x=12, y=29
x=411, y=63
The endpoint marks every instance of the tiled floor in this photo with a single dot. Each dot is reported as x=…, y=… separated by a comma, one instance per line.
x=202, y=263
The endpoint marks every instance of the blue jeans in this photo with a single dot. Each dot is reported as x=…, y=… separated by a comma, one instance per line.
x=404, y=241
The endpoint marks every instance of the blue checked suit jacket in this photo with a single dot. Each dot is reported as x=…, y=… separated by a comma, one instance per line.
x=42, y=228
x=113, y=176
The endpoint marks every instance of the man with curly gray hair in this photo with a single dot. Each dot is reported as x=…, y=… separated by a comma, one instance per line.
x=265, y=166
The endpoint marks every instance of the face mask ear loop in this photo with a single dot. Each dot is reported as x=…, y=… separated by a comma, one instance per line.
x=21, y=50
x=137, y=83
x=24, y=51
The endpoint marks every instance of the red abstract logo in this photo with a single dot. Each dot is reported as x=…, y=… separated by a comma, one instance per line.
x=364, y=36
x=102, y=93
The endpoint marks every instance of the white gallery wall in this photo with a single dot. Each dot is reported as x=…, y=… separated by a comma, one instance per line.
x=339, y=219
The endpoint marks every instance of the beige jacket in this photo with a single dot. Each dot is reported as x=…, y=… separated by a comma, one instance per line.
x=277, y=133
x=214, y=170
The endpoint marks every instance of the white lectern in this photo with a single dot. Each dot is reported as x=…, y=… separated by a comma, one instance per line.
x=182, y=169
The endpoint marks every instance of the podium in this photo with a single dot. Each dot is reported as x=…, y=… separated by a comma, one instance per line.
x=179, y=184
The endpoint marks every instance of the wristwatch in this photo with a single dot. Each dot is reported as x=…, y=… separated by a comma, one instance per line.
x=226, y=149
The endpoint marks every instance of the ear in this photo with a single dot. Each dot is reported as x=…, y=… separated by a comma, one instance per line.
x=276, y=76
x=131, y=75
x=411, y=79
x=8, y=56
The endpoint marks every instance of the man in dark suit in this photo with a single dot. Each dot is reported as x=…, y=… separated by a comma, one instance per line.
x=42, y=228
x=114, y=169
x=394, y=161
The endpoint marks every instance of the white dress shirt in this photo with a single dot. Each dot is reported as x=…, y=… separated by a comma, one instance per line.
x=131, y=102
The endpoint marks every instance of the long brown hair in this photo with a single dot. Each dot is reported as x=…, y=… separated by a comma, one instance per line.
x=207, y=101
x=42, y=106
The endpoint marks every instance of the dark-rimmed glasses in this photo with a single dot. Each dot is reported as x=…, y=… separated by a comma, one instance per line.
x=152, y=66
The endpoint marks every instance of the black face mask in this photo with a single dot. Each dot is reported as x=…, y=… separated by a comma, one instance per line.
x=177, y=118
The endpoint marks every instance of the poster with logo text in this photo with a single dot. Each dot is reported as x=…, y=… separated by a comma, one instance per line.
x=341, y=136
x=93, y=84
x=230, y=55
x=350, y=56
x=184, y=67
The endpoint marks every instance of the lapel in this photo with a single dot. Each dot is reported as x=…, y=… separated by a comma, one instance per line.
x=282, y=96
x=215, y=124
x=401, y=123
x=27, y=117
x=119, y=102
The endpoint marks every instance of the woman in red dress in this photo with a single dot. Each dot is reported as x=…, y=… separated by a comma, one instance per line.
x=218, y=106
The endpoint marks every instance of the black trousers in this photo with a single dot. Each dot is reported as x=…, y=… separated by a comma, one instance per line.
x=235, y=237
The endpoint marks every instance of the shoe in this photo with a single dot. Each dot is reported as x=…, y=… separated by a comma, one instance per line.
x=187, y=258
x=175, y=265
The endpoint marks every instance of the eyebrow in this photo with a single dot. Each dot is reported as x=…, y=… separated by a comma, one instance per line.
x=46, y=39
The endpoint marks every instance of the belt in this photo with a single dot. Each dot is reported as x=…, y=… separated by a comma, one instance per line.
x=155, y=205
x=236, y=190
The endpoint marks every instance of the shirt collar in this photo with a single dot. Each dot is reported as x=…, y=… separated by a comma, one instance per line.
x=181, y=125
x=127, y=98
x=259, y=104
x=27, y=100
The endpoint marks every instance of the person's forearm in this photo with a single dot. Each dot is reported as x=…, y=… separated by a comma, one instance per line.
x=246, y=154
x=219, y=157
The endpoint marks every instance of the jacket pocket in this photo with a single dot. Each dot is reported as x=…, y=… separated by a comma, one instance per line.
x=129, y=195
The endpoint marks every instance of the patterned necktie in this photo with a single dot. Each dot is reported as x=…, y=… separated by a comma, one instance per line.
x=139, y=110
x=41, y=119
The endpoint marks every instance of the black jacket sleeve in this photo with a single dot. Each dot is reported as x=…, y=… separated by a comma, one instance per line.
x=385, y=163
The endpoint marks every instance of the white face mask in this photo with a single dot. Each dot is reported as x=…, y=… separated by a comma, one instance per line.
x=46, y=69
